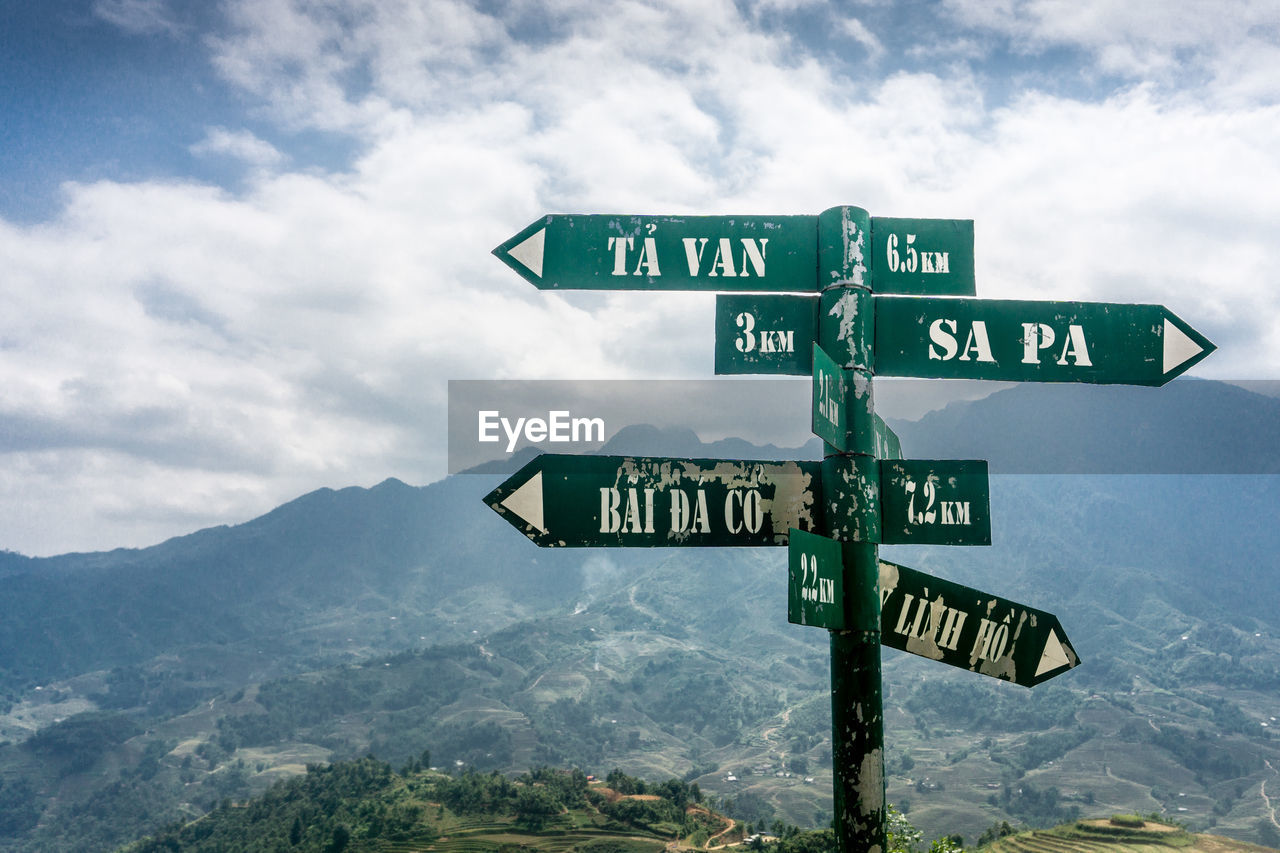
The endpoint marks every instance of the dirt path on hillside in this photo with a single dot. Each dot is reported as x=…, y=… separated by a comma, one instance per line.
x=1266, y=801
x=631, y=594
x=768, y=734
x=710, y=846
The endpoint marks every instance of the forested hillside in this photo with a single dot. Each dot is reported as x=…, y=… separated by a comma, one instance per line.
x=146, y=687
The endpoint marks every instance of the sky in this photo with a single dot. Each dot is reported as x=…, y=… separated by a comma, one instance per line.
x=245, y=244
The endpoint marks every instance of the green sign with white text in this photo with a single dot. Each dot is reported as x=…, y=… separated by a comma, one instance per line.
x=569, y=501
x=830, y=388
x=728, y=253
x=922, y=256
x=624, y=252
x=815, y=581
x=765, y=333
x=935, y=502
x=969, y=629
x=961, y=338
x=1018, y=340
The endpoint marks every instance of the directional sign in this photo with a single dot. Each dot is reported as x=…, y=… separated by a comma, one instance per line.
x=830, y=420
x=579, y=501
x=765, y=333
x=568, y=501
x=815, y=581
x=666, y=252
x=973, y=630
x=1010, y=340
x=922, y=256
x=830, y=389
x=730, y=253
x=933, y=502
x=887, y=444
x=1018, y=340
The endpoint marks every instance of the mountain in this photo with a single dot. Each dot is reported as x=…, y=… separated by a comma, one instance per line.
x=1186, y=427
x=145, y=685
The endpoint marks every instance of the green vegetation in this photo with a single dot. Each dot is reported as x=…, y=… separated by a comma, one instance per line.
x=1131, y=834
x=1130, y=820
x=364, y=805
x=76, y=743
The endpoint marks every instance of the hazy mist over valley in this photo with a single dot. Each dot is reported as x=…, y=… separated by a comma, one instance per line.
x=147, y=685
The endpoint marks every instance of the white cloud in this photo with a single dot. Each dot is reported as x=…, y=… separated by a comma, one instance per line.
x=200, y=357
x=1157, y=40
x=240, y=144
x=859, y=32
x=139, y=17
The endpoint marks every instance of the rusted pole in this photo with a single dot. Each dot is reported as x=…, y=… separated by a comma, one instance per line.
x=852, y=511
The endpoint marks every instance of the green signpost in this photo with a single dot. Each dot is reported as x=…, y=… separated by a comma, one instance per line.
x=830, y=391
x=765, y=333
x=815, y=581
x=833, y=514
x=733, y=253
x=973, y=630
x=929, y=616
x=922, y=256
x=1000, y=339
x=571, y=501
x=1017, y=340
x=934, y=502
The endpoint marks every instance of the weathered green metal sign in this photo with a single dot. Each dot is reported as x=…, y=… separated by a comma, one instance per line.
x=935, y=502
x=922, y=256
x=999, y=339
x=830, y=387
x=765, y=333
x=729, y=253
x=969, y=629
x=887, y=444
x=622, y=252
x=1017, y=340
x=815, y=581
x=569, y=501
x=830, y=417
x=634, y=501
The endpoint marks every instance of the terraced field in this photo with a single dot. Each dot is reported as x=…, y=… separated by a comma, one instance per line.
x=1099, y=836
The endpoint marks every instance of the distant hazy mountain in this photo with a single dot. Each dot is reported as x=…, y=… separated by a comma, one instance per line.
x=1186, y=427
x=1166, y=583
x=290, y=575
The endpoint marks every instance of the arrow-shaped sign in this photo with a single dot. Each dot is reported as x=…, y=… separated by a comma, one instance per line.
x=633, y=501
x=931, y=617
x=1017, y=340
x=969, y=629
x=1009, y=340
x=730, y=253
x=563, y=500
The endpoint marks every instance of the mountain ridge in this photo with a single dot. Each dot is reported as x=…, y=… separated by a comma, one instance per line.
x=1160, y=581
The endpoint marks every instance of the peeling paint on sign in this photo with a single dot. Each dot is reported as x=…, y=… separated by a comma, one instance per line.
x=972, y=630
x=562, y=500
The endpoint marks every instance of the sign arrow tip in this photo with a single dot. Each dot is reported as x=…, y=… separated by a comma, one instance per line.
x=526, y=502
x=1054, y=655
x=1179, y=347
x=526, y=252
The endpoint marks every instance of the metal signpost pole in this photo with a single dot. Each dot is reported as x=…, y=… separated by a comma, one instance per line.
x=851, y=504
x=832, y=515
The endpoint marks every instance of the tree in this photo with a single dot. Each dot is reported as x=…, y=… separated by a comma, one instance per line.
x=534, y=804
x=341, y=838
